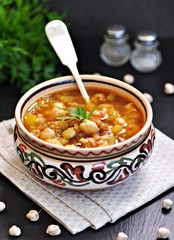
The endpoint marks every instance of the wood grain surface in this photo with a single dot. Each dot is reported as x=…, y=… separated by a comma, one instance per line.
x=140, y=224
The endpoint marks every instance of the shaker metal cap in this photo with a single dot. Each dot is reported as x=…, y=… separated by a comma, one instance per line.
x=116, y=31
x=147, y=37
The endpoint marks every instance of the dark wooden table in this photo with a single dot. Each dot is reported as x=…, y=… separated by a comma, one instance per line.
x=139, y=224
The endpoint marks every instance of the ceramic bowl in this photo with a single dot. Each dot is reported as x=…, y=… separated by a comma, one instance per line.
x=85, y=168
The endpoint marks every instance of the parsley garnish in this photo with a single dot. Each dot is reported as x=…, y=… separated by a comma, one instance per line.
x=78, y=112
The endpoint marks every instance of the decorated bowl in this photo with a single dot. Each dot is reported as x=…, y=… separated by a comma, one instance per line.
x=87, y=168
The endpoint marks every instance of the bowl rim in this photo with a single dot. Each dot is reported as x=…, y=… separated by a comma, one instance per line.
x=94, y=77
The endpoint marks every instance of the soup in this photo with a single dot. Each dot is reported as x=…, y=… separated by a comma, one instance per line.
x=64, y=119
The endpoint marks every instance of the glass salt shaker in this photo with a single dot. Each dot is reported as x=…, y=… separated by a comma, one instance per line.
x=146, y=57
x=115, y=51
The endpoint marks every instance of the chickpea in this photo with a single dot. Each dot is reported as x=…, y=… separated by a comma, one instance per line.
x=168, y=88
x=69, y=133
x=47, y=133
x=40, y=120
x=56, y=112
x=63, y=125
x=63, y=141
x=163, y=233
x=88, y=127
x=59, y=105
x=167, y=203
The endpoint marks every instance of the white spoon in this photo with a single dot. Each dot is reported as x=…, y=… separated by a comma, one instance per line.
x=57, y=34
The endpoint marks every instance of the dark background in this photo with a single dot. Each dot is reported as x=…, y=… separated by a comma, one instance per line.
x=91, y=17
x=87, y=21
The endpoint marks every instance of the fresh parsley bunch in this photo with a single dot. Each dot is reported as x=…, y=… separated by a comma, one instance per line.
x=26, y=57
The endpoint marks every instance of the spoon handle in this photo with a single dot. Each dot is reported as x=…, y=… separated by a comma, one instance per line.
x=58, y=36
x=74, y=70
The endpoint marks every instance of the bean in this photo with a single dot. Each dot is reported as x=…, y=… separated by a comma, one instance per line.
x=40, y=120
x=59, y=105
x=56, y=112
x=63, y=125
x=89, y=127
x=47, y=133
x=129, y=78
x=69, y=133
x=63, y=141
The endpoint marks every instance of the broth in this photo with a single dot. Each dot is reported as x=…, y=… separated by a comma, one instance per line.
x=62, y=118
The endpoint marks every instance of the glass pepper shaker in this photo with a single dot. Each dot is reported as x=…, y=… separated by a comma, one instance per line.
x=115, y=51
x=146, y=57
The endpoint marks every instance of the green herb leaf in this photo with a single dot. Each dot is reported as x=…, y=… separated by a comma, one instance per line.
x=27, y=57
x=80, y=112
x=73, y=111
x=76, y=112
x=90, y=114
x=62, y=118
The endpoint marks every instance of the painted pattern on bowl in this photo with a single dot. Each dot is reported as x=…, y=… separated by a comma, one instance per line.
x=81, y=175
x=88, y=168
